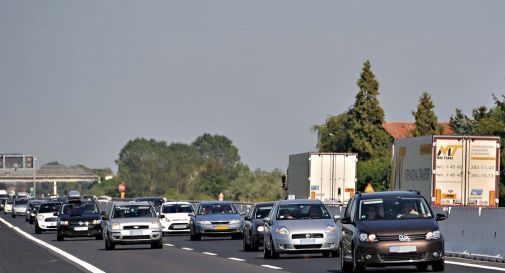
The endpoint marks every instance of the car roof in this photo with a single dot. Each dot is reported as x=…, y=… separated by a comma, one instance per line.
x=264, y=203
x=149, y=198
x=299, y=201
x=122, y=203
x=215, y=202
x=175, y=203
x=389, y=194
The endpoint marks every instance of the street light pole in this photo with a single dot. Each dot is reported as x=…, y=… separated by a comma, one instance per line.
x=34, y=185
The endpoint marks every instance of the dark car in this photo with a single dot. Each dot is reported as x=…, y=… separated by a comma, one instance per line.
x=31, y=210
x=155, y=201
x=79, y=218
x=253, y=225
x=388, y=229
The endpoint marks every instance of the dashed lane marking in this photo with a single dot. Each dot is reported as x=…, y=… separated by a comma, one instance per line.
x=271, y=266
x=476, y=265
x=187, y=248
x=169, y=244
x=236, y=259
x=209, y=253
x=86, y=265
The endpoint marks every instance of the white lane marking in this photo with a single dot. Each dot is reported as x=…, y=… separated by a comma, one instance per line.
x=271, y=266
x=477, y=266
x=236, y=259
x=86, y=265
x=187, y=248
x=169, y=244
x=209, y=253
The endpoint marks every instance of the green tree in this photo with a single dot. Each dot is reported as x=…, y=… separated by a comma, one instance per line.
x=426, y=119
x=461, y=124
x=220, y=149
x=184, y=167
x=332, y=135
x=367, y=136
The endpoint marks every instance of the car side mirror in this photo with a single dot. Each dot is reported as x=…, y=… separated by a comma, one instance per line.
x=161, y=216
x=242, y=213
x=55, y=214
x=346, y=221
x=440, y=217
x=337, y=217
x=268, y=220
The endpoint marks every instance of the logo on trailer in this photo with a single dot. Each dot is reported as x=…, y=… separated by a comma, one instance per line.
x=448, y=152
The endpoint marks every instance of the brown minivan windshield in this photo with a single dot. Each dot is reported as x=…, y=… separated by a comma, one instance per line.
x=393, y=209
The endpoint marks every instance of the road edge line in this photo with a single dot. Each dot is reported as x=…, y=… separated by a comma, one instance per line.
x=476, y=266
x=89, y=267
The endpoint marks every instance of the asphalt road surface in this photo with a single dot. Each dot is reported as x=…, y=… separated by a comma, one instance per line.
x=220, y=255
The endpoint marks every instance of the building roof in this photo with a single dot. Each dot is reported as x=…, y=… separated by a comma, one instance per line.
x=399, y=130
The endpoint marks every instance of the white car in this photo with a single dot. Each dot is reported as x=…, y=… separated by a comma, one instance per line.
x=176, y=216
x=45, y=219
x=8, y=206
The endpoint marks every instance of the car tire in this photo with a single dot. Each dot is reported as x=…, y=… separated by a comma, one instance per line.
x=344, y=266
x=109, y=245
x=266, y=252
x=38, y=230
x=193, y=236
x=245, y=244
x=99, y=236
x=59, y=237
x=157, y=244
x=438, y=266
x=274, y=254
x=13, y=215
x=422, y=267
x=237, y=236
x=326, y=254
x=254, y=244
x=335, y=253
x=26, y=220
x=31, y=222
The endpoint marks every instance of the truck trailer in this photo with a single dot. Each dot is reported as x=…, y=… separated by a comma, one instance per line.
x=329, y=177
x=448, y=170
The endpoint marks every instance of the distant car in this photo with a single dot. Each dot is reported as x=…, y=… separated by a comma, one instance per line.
x=217, y=218
x=89, y=197
x=45, y=219
x=31, y=210
x=79, y=218
x=8, y=206
x=391, y=228
x=254, y=225
x=300, y=226
x=104, y=198
x=155, y=201
x=19, y=207
x=132, y=223
x=3, y=199
x=176, y=216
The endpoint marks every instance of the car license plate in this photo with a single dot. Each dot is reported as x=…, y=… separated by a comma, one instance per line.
x=180, y=226
x=51, y=224
x=402, y=249
x=307, y=241
x=221, y=227
x=136, y=232
x=81, y=228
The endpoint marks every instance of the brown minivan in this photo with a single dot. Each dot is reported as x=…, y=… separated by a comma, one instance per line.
x=390, y=228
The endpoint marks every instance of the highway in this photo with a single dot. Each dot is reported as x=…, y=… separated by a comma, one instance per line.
x=178, y=255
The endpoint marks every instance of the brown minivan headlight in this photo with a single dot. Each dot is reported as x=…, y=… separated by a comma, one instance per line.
x=435, y=235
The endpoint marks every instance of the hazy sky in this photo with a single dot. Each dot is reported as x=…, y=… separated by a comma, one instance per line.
x=78, y=79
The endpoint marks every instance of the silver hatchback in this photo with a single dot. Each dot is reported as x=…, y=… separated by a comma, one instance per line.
x=300, y=226
x=132, y=223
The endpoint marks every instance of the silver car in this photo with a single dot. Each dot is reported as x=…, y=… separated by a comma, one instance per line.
x=300, y=226
x=132, y=223
x=19, y=207
x=216, y=218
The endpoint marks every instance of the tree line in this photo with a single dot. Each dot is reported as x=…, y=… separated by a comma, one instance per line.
x=360, y=129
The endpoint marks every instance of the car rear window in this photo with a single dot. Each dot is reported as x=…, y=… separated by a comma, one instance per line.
x=177, y=208
x=393, y=209
x=302, y=211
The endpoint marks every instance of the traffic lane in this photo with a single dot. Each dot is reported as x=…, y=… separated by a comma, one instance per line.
x=139, y=258
x=18, y=254
x=300, y=263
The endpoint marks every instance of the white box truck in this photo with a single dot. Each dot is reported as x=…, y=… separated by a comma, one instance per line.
x=329, y=177
x=448, y=170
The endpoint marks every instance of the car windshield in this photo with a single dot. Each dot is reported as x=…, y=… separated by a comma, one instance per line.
x=155, y=201
x=216, y=209
x=302, y=211
x=21, y=201
x=262, y=211
x=9, y=202
x=133, y=211
x=80, y=208
x=177, y=208
x=393, y=208
x=49, y=207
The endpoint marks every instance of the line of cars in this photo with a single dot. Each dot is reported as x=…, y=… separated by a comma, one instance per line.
x=376, y=230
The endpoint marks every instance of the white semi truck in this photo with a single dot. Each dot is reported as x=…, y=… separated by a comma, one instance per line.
x=448, y=170
x=329, y=177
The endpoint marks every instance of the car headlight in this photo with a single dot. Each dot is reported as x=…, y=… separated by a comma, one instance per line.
x=236, y=221
x=435, y=235
x=261, y=228
x=116, y=226
x=154, y=224
x=331, y=229
x=282, y=230
x=371, y=238
x=64, y=223
x=96, y=222
x=204, y=223
x=40, y=217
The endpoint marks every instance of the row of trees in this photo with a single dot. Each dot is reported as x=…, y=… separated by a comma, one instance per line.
x=200, y=170
x=360, y=129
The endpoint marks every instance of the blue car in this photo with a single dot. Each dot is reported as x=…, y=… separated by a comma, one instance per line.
x=218, y=218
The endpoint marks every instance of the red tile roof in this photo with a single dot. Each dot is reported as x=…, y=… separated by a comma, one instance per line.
x=399, y=130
